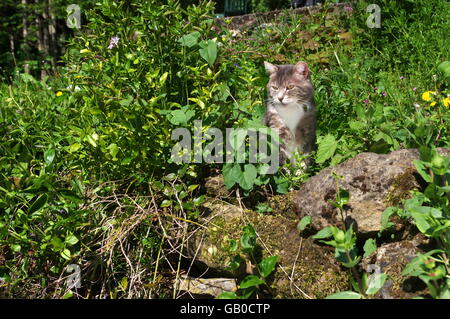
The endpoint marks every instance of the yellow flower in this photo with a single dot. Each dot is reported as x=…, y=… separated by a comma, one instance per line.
x=59, y=93
x=426, y=96
x=433, y=103
x=446, y=101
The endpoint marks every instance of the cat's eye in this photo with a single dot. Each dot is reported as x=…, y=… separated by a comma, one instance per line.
x=274, y=87
x=290, y=87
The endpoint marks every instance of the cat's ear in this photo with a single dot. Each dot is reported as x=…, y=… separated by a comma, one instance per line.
x=270, y=68
x=302, y=69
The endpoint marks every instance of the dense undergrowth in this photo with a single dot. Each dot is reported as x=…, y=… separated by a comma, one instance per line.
x=85, y=171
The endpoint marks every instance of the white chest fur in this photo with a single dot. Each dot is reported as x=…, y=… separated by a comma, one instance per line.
x=292, y=114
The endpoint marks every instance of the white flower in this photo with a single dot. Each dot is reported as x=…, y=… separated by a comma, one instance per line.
x=113, y=42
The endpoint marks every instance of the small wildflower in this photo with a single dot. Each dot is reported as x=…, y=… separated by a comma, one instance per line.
x=414, y=89
x=433, y=103
x=348, y=9
x=59, y=93
x=375, y=88
x=76, y=88
x=366, y=101
x=446, y=101
x=383, y=93
x=426, y=96
x=113, y=42
x=237, y=65
x=402, y=77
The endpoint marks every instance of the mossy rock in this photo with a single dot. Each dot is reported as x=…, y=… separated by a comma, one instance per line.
x=374, y=182
x=392, y=259
x=304, y=270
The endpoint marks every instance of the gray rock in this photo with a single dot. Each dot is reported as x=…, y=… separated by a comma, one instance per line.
x=207, y=286
x=374, y=181
x=391, y=259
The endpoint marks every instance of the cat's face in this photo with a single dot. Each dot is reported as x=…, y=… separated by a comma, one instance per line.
x=289, y=83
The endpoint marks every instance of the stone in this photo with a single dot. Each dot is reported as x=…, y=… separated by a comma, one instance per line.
x=215, y=187
x=374, y=182
x=305, y=269
x=207, y=286
x=391, y=259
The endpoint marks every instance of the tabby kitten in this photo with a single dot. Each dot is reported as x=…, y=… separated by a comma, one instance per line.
x=290, y=109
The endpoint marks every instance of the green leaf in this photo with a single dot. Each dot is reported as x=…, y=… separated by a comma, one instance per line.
x=267, y=266
x=231, y=174
x=303, y=223
x=421, y=222
x=369, y=247
x=247, y=293
x=189, y=40
x=234, y=263
x=57, y=243
x=70, y=195
x=376, y=282
x=233, y=245
x=356, y=125
x=345, y=295
x=71, y=240
x=127, y=101
x=422, y=170
x=324, y=233
x=248, y=242
x=91, y=140
x=249, y=230
x=251, y=281
x=227, y=295
x=124, y=283
x=343, y=196
x=343, y=258
x=199, y=200
x=113, y=150
x=385, y=223
x=66, y=254
x=248, y=177
x=15, y=248
x=49, y=156
x=282, y=184
x=209, y=53
x=327, y=147
x=38, y=204
x=360, y=112
x=74, y=147
x=444, y=68
x=166, y=203
x=68, y=295
x=181, y=117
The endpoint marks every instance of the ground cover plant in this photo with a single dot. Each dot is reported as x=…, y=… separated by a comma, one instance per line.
x=86, y=175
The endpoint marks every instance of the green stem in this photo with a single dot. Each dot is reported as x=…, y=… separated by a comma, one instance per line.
x=356, y=275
